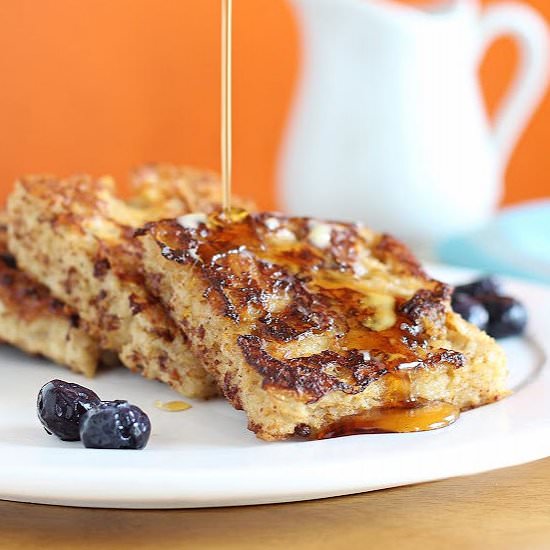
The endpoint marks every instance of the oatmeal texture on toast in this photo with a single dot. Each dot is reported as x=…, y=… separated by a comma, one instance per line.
x=159, y=188
x=76, y=237
x=36, y=322
x=303, y=323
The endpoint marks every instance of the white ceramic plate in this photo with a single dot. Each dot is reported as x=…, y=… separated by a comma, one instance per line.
x=206, y=457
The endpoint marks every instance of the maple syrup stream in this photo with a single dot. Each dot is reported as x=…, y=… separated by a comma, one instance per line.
x=227, y=102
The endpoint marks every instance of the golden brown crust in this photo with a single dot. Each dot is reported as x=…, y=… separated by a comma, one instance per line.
x=23, y=295
x=167, y=190
x=243, y=269
x=77, y=237
x=393, y=252
x=314, y=311
x=32, y=319
x=311, y=376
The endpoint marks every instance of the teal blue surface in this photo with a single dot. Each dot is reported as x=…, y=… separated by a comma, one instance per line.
x=516, y=243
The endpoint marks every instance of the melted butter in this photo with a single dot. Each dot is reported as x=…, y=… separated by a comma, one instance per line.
x=192, y=221
x=284, y=236
x=383, y=307
x=320, y=234
x=378, y=283
x=409, y=366
x=335, y=280
x=414, y=416
x=272, y=223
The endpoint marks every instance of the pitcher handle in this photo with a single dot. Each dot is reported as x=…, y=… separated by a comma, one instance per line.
x=531, y=32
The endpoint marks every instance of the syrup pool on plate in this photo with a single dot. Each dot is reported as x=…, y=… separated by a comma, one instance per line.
x=414, y=416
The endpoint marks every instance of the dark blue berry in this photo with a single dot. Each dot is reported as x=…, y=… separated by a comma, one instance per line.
x=507, y=316
x=115, y=425
x=480, y=287
x=60, y=406
x=470, y=309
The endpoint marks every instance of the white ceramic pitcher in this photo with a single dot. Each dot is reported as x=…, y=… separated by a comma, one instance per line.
x=389, y=125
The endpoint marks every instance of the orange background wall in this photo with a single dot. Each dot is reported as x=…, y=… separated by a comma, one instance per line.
x=102, y=85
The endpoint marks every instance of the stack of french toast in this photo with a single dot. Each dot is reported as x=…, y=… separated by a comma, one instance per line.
x=298, y=322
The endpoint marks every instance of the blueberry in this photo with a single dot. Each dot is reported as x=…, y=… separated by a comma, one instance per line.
x=470, y=309
x=60, y=406
x=507, y=316
x=115, y=425
x=480, y=287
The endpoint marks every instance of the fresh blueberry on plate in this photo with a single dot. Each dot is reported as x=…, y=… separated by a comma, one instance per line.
x=504, y=316
x=115, y=425
x=480, y=287
x=60, y=406
x=507, y=316
x=470, y=309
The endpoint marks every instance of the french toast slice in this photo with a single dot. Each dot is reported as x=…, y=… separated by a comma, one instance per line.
x=36, y=322
x=160, y=188
x=76, y=237
x=304, y=324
